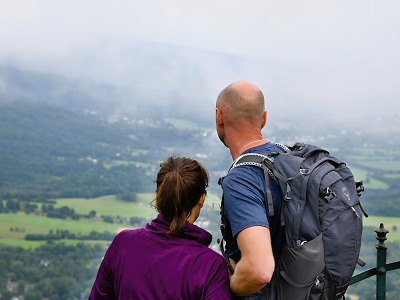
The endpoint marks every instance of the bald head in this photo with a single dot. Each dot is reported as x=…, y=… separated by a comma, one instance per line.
x=241, y=101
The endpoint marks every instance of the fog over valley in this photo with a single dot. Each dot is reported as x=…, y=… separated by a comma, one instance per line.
x=314, y=61
x=180, y=81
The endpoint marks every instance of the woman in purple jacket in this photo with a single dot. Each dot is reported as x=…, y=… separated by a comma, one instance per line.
x=169, y=258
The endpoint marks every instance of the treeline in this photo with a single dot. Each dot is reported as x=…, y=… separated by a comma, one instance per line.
x=63, y=212
x=52, y=271
x=49, y=210
x=382, y=202
x=67, y=235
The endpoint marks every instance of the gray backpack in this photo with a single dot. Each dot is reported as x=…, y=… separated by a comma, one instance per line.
x=322, y=216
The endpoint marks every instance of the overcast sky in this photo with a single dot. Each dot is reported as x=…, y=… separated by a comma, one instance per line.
x=349, y=46
x=260, y=27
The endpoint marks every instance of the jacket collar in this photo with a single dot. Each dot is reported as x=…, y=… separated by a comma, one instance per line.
x=160, y=226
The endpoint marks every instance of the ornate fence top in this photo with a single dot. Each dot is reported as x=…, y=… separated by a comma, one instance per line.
x=381, y=266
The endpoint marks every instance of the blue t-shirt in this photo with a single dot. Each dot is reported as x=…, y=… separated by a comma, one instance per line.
x=245, y=202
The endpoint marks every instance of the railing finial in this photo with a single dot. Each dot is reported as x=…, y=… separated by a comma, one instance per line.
x=381, y=248
x=381, y=233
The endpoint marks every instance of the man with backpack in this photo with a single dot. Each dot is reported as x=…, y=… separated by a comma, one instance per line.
x=253, y=238
x=291, y=217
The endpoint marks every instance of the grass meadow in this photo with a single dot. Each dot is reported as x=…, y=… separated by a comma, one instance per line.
x=371, y=183
x=392, y=224
x=383, y=160
x=110, y=205
x=14, y=227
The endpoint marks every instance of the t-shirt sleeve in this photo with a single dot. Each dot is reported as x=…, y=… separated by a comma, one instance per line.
x=244, y=194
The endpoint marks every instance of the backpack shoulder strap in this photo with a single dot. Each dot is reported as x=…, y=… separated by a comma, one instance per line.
x=261, y=161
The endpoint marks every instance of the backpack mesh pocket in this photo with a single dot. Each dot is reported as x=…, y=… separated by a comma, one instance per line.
x=299, y=268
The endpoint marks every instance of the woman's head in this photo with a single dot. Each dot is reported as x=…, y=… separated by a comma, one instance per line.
x=181, y=182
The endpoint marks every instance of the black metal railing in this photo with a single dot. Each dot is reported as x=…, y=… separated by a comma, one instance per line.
x=381, y=266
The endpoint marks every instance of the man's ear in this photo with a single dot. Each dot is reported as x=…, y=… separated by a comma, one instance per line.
x=218, y=117
x=264, y=119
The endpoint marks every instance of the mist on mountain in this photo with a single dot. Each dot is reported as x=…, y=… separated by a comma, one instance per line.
x=141, y=77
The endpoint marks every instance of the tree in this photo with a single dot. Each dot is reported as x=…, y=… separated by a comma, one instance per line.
x=33, y=295
x=12, y=205
x=127, y=196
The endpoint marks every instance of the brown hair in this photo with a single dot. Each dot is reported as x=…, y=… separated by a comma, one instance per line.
x=180, y=183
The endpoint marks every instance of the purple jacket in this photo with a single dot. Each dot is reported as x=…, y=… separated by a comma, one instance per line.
x=146, y=264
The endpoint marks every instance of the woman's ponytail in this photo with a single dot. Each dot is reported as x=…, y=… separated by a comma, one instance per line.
x=180, y=184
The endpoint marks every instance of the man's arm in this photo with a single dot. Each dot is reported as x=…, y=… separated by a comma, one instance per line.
x=256, y=266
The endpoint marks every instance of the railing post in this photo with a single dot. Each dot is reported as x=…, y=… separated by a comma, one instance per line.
x=381, y=263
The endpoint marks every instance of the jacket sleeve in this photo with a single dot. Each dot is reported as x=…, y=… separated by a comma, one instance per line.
x=105, y=283
x=102, y=287
x=218, y=283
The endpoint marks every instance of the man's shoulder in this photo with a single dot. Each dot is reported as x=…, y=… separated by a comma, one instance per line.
x=261, y=150
x=244, y=172
x=265, y=149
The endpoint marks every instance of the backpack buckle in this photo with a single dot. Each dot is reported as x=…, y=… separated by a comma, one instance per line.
x=289, y=193
x=359, y=187
x=304, y=171
x=328, y=194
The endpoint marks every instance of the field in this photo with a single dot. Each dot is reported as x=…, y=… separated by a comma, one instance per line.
x=381, y=161
x=392, y=224
x=360, y=174
x=110, y=205
x=14, y=227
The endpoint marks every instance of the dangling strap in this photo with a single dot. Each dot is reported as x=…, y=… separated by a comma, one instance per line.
x=270, y=203
x=222, y=249
x=223, y=231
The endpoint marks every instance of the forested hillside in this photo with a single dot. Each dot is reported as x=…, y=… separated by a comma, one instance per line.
x=62, y=138
x=48, y=151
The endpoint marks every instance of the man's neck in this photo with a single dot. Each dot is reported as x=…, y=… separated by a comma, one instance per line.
x=236, y=151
